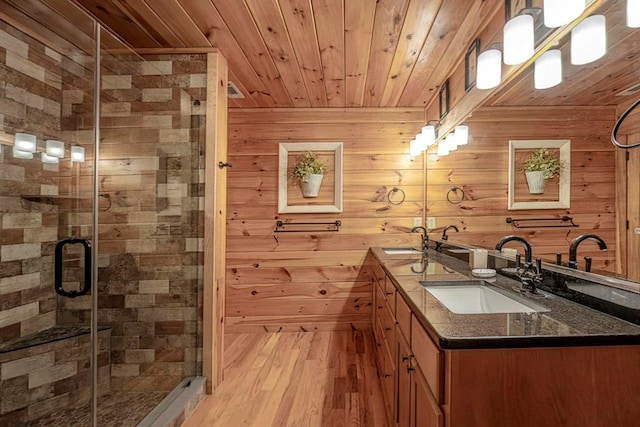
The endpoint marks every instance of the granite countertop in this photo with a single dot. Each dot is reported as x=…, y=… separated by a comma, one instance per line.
x=566, y=324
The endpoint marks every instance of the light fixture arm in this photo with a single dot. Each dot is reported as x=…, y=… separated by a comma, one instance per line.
x=614, y=131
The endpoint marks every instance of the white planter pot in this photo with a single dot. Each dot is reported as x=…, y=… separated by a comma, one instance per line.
x=536, y=182
x=312, y=188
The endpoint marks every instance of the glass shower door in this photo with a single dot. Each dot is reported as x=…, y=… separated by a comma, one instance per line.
x=46, y=215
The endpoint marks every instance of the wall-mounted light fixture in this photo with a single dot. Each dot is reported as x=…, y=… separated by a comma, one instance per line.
x=451, y=142
x=518, y=39
x=55, y=148
x=462, y=135
x=589, y=40
x=548, y=70
x=560, y=12
x=77, y=154
x=25, y=142
x=633, y=13
x=414, y=148
x=489, y=71
x=443, y=148
x=428, y=135
x=19, y=154
x=48, y=159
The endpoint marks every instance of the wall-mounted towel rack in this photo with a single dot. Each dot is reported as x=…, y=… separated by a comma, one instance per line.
x=563, y=221
x=306, y=227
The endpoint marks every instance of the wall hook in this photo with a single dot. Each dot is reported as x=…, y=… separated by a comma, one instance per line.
x=224, y=165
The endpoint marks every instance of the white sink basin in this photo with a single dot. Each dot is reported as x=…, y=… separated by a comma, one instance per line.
x=401, y=251
x=478, y=298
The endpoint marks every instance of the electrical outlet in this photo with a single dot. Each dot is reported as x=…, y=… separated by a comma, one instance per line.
x=417, y=221
x=431, y=222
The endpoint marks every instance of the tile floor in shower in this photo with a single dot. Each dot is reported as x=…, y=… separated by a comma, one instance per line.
x=115, y=409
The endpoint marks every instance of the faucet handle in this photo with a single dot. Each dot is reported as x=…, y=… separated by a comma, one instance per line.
x=518, y=260
x=558, y=259
x=587, y=264
x=538, y=266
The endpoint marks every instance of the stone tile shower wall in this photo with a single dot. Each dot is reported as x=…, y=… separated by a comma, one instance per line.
x=30, y=100
x=151, y=223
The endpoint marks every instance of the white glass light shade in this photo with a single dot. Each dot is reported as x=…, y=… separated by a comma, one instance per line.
x=462, y=135
x=19, y=154
x=489, y=71
x=25, y=142
x=414, y=148
x=429, y=135
x=560, y=12
x=548, y=70
x=48, y=159
x=589, y=40
x=421, y=142
x=450, y=140
x=77, y=154
x=518, y=39
x=55, y=148
x=443, y=148
x=633, y=13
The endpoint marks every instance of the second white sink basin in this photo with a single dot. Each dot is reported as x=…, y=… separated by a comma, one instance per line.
x=479, y=299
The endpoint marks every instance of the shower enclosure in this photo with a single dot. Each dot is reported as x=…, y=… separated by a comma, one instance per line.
x=100, y=243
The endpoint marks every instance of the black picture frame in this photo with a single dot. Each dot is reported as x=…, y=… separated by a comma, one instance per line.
x=471, y=65
x=443, y=98
x=511, y=6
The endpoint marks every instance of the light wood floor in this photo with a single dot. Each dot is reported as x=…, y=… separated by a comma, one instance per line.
x=301, y=379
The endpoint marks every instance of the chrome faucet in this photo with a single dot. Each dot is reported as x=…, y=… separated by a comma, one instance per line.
x=444, y=231
x=573, y=248
x=522, y=240
x=425, y=238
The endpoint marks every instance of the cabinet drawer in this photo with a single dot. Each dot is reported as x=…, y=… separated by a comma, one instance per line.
x=387, y=380
x=388, y=324
x=428, y=357
x=403, y=316
x=390, y=291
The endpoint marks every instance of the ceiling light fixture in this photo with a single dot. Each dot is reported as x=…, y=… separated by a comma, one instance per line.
x=560, y=12
x=25, y=142
x=518, y=39
x=633, y=13
x=55, y=148
x=489, y=69
x=77, y=154
x=589, y=40
x=548, y=70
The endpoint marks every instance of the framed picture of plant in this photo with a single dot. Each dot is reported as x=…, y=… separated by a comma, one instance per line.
x=539, y=174
x=310, y=177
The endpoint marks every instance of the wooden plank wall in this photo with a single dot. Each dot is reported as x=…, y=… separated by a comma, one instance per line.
x=314, y=280
x=481, y=170
x=628, y=190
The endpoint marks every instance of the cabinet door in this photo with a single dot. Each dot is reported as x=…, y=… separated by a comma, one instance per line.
x=425, y=411
x=404, y=382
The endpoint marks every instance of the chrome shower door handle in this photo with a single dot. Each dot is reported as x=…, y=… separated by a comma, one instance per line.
x=59, y=267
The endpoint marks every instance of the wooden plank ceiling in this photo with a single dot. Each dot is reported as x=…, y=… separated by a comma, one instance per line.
x=313, y=53
x=335, y=53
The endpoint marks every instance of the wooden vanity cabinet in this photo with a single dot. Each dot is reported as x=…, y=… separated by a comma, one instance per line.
x=426, y=386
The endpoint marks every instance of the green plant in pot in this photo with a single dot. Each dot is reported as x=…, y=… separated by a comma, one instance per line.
x=309, y=172
x=539, y=167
